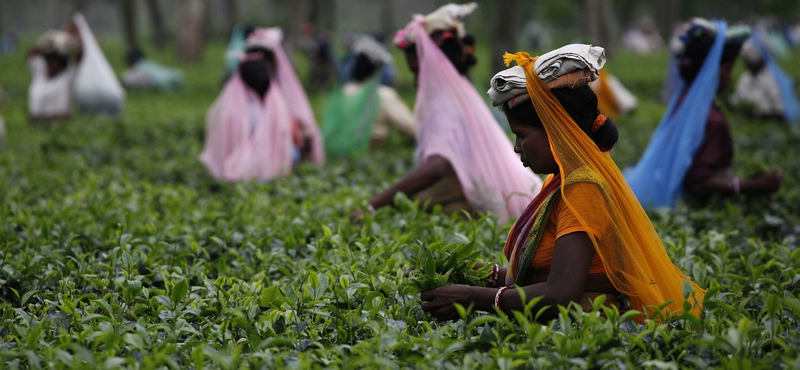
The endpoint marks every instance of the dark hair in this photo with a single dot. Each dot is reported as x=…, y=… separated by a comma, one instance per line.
x=61, y=59
x=581, y=105
x=458, y=51
x=248, y=30
x=363, y=69
x=268, y=54
x=256, y=73
x=698, y=42
x=469, y=45
x=133, y=55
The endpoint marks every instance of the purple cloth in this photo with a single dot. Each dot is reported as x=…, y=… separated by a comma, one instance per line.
x=716, y=151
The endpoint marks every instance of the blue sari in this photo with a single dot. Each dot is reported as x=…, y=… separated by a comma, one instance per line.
x=657, y=179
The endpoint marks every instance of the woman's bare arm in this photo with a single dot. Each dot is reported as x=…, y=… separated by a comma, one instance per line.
x=427, y=174
x=767, y=183
x=572, y=259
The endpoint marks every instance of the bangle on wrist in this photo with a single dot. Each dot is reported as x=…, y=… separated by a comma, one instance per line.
x=736, y=184
x=494, y=273
x=499, y=295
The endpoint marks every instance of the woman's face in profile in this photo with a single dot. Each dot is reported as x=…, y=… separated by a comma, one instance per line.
x=533, y=147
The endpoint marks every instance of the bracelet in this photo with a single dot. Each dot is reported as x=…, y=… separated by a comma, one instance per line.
x=737, y=185
x=498, y=295
x=494, y=273
x=370, y=207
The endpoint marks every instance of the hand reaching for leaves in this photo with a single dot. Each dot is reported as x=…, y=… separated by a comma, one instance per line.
x=439, y=302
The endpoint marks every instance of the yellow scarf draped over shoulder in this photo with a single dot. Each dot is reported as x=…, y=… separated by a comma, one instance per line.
x=630, y=248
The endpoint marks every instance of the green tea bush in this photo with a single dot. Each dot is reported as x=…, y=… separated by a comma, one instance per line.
x=118, y=250
x=439, y=264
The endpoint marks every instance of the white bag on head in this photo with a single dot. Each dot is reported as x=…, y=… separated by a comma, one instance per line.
x=96, y=86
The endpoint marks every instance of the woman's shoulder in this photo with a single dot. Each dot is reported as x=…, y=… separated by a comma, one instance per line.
x=584, y=174
x=584, y=185
x=584, y=190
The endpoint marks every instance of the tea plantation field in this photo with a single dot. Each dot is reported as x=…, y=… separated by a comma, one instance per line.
x=118, y=250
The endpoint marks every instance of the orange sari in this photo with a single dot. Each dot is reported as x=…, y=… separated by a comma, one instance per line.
x=631, y=250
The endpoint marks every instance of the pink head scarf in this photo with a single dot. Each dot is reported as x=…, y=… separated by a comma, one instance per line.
x=454, y=122
x=232, y=152
x=291, y=87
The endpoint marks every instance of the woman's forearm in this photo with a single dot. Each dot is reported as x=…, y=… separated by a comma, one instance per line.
x=510, y=300
x=420, y=178
x=767, y=183
x=483, y=298
x=714, y=185
x=565, y=283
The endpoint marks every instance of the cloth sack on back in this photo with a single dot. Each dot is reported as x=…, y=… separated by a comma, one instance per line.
x=96, y=86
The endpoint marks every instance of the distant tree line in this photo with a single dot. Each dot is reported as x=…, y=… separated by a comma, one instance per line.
x=598, y=21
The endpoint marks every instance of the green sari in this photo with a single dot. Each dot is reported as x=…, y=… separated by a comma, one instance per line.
x=348, y=121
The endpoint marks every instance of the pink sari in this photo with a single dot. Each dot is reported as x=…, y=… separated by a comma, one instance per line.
x=292, y=89
x=233, y=152
x=454, y=122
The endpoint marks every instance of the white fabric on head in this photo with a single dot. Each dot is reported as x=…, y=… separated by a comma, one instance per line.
x=446, y=17
x=269, y=38
x=678, y=44
x=507, y=85
x=750, y=52
x=58, y=41
x=566, y=59
x=510, y=85
x=450, y=16
x=367, y=45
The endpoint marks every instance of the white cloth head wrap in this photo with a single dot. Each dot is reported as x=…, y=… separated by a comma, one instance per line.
x=269, y=38
x=570, y=66
x=367, y=45
x=750, y=52
x=447, y=17
x=678, y=44
x=450, y=16
x=59, y=42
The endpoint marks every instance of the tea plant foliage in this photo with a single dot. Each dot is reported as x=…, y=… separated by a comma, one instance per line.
x=118, y=250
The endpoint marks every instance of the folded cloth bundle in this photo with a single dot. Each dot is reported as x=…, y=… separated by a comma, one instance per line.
x=570, y=66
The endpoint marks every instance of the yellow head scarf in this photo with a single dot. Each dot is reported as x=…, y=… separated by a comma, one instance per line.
x=631, y=250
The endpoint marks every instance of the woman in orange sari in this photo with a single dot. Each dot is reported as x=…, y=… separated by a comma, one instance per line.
x=585, y=234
